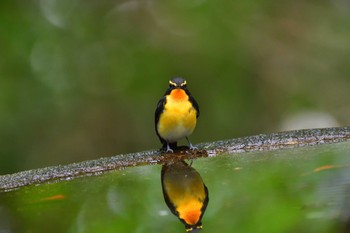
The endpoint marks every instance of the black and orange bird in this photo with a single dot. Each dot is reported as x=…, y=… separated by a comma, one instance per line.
x=176, y=114
x=185, y=194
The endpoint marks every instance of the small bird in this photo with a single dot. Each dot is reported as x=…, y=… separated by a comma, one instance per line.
x=176, y=115
x=185, y=194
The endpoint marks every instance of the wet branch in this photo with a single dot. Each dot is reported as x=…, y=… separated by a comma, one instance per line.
x=263, y=142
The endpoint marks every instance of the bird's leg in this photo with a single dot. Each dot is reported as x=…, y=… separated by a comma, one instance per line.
x=168, y=149
x=190, y=144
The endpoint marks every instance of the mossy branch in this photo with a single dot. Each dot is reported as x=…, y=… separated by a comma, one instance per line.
x=262, y=142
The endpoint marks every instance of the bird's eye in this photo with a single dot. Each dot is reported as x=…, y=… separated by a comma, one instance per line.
x=172, y=84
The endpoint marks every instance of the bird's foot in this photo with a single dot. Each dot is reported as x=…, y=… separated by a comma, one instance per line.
x=168, y=149
x=192, y=147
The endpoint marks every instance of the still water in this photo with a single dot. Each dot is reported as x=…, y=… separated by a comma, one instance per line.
x=295, y=190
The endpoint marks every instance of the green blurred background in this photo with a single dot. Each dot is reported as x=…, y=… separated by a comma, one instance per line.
x=80, y=79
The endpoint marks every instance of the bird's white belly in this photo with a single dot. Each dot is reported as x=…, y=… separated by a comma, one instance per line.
x=177, y=133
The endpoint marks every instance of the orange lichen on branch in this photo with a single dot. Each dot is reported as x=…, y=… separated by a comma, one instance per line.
x=54, y=198
x=325, y=167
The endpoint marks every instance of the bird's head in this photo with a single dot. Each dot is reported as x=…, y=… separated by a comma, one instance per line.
x=177, y=82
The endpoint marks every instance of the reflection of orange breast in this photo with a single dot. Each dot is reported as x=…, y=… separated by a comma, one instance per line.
x=178, y=119
x=186, y=191
x=188, y=198
x=192, y=214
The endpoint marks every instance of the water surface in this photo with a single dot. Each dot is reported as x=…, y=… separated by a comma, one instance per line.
x=294, y=190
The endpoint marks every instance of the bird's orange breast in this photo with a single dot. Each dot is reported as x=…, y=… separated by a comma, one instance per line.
x=178, y=95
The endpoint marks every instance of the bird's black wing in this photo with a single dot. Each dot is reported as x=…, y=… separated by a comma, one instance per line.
x=194, y=103
x=167, y=200
x=159, y=110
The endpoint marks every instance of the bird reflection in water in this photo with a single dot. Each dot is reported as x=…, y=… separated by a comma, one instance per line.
x=185, y=193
